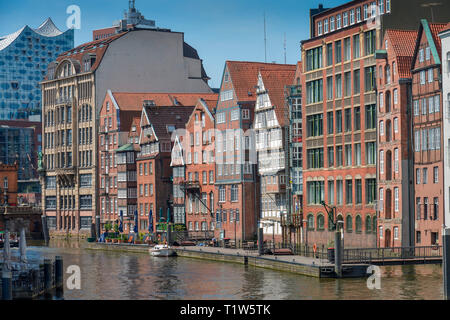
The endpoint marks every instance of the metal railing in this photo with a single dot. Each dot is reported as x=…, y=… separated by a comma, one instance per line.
x=369, y=255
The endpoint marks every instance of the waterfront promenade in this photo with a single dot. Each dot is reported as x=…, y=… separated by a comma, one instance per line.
x=306, y=266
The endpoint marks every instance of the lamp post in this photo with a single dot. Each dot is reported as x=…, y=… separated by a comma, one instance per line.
x=235, y=238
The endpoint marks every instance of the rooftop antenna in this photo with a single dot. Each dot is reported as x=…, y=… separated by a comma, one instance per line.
x=265, y=39
x=285, y=48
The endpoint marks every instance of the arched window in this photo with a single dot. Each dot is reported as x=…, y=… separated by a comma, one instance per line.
x=388, y=204
x=388, y=131
x=368, y=224
x=349, y=223
x=374, y=224
x=387, y=101
x=5, y=183
x=358, y=224
x=388, y=74
x=388, y=162
x=310, y=221
x=320, y=222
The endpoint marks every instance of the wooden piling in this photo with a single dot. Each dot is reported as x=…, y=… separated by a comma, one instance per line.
x=7, y=285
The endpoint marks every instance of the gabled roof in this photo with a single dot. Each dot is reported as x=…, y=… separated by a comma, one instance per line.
x=431, y=32
x=203, y=105
x=275, y=82
x=177, y=158
x=133, y=100
x=161, y=117
x=403, y=44
x=244, y=76
x=402, y=41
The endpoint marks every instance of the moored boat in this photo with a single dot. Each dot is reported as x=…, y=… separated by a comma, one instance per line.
x=162, y=250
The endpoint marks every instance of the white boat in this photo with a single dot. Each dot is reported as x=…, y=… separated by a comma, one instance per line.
x=162, y=250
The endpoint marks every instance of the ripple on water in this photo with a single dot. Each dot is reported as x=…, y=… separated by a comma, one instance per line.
x=113, y=275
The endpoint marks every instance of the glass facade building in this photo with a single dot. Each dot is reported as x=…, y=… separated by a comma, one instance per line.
x=24, y=57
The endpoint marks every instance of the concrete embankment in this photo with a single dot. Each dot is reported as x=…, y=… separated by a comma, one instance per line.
x=294, y=264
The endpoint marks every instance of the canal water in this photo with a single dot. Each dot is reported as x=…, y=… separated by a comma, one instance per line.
x=128, y=276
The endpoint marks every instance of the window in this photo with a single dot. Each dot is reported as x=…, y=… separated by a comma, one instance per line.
x=347, y=84
x=330, y=157
x=315, y=192
x=348, y=155
x=395, y=97
x=370, y=117
x=330, y=192
x=418, y=176
x=349, y=223
x=357, y=154
x=352, y=16
x=234, y=193
x=222, y=194
x=330, y=123
x=370, y=191
x=381, y=128
x=356, y=82
x=226, y=95
x=331, y=24
x=396, y=125
x=369, y=42
x=339, y=192
x=339, y=121
x=338, y=52
x=435, y=175
x=348, y=191
x=330, y=88
x=422, y=77
x=369, y=78
x=338, y=85
x=325, y=26
x=370, y=153
x=314, y=59
x=314, y=91
x=348, y=119
x=315, y=125
x=358, y=14
x=358, y=191
x=388, y=6
x=310, y=222
x=430, y=75
x=319, y=28
x=396, y=199
x=382, y=162
x=396, y=160
x=347, y=49
x=329, y=54
x=338, y=22
x=345, y=19
x=425, y=175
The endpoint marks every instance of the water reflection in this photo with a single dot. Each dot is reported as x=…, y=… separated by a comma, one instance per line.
x=118, y=275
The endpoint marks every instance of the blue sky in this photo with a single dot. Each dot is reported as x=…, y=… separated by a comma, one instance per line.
x=219, y=30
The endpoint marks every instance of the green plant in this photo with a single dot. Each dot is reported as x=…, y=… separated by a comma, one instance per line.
x=116, y=228
x=330, y=244
x=108, y=226
x=179, y=227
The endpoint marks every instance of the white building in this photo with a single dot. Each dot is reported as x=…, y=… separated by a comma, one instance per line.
x=271, y=117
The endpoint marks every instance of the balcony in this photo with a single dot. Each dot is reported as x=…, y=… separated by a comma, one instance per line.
x=295, y=90
x=192, y=186
x=64, y=100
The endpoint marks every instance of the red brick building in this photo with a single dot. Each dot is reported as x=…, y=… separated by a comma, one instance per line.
x=339, y=121
x=162, y=115
x=237, y=179
x=427, y=129
x=116, y=121
x=8, y=184
x=199, y=183
x=395, y=153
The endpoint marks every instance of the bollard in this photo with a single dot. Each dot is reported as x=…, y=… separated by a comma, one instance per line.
x=47, y=275
x=260, y=241
x=6, y=285
x=59, y=272
x=338, y=254
x=446, y=262
x=45, y=228
x=246, y=261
